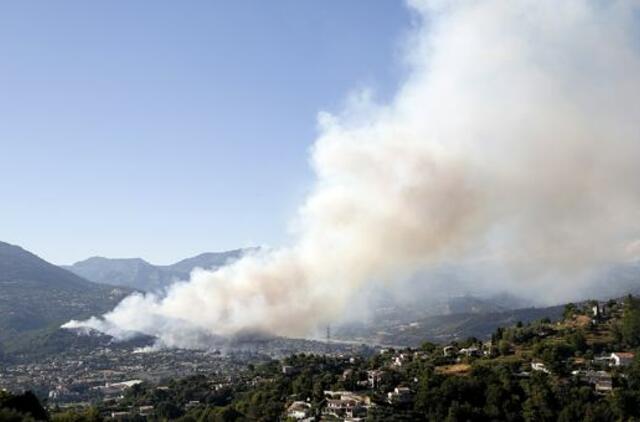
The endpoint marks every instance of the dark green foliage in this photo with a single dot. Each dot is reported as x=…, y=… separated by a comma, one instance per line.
x=36, y=297
x=630, y=326
x=26, y=404
x=88, y=415
x=10, y=415
x=578, y=341
x=167, y=410
x=428, y=347
x=570, y=309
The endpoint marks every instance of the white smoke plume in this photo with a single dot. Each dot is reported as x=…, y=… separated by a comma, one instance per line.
x=515, y=140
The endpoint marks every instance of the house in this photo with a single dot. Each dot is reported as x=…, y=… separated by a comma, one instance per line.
x=346, y=404
x=621, y=358
x=539, y=366
x=191, y=404
x=399, y=395
x=470, y=351
x=289, y=370
x=449, y=350
x=598, y=310
x=602, y=360
x=145, y=410
x=487, y=348
x=374, y=377
x=117, y=387
x=601, y=380
x=400, y=359
x=419, y=355
x=346, y=374
x=298, y=410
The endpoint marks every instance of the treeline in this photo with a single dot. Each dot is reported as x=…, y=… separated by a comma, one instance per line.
x=21, y=407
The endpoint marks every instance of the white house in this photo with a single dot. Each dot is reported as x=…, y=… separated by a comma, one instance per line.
x=539, y=366
x=399, y=395
x=448, y=351
x=299, y=410
x=470, y=351
x=374, y=377
x=621, y=358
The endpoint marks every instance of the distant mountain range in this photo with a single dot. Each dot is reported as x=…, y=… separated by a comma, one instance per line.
x=136, y=273
x=36, y=296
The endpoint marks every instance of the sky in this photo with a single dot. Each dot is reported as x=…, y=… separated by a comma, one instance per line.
x=163, y=129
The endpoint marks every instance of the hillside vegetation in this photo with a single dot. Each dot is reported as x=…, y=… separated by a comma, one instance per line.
x=36, y=296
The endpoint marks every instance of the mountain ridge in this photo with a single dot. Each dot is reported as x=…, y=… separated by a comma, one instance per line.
x=36, y=295
x=140, y=274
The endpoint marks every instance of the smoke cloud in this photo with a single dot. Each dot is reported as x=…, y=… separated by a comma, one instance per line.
x=514, y=142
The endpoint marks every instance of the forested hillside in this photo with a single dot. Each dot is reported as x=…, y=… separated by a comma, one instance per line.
x=36, y=296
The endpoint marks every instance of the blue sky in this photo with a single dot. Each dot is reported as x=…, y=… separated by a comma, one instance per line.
x=163, y=129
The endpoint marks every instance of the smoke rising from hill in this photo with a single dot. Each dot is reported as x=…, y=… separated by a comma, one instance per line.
x=514, y=141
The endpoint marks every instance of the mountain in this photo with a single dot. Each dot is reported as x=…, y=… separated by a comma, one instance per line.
x=135, y=273
x=139, y=274
x=36, y=296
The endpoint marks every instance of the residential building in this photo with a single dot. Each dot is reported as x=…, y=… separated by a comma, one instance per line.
x=621, y=358
x=298, y=410
x=399, y=395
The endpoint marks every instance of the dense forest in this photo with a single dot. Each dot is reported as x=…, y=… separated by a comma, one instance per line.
x=541, y=371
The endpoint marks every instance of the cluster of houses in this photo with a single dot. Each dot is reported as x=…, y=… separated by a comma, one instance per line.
x=353, y=406
x=340, y=405
x=475, y=350
x=600, y=379
x=77, y=377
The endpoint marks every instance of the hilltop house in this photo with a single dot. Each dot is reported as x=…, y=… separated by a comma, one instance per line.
x=601, y=380
x=299, y=410
x=346, y=404
x=289, y=370
x=621, y=358
x=399, y=395
x=470, y=351
x=539, y=366
x=374, y=377
x=449, y=351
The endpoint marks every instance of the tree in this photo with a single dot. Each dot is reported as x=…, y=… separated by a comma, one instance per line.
x=504, y=347
x=569, y=311
x=26, y=403
x=630, y=327
x=428, y=347
x=540, y=404
x=168, y=410
x=89, y=415
x=578, y=341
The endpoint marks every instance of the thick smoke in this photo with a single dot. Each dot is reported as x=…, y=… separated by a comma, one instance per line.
x=514, y=143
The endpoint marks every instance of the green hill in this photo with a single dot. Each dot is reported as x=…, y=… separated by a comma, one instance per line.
x=36, y=296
